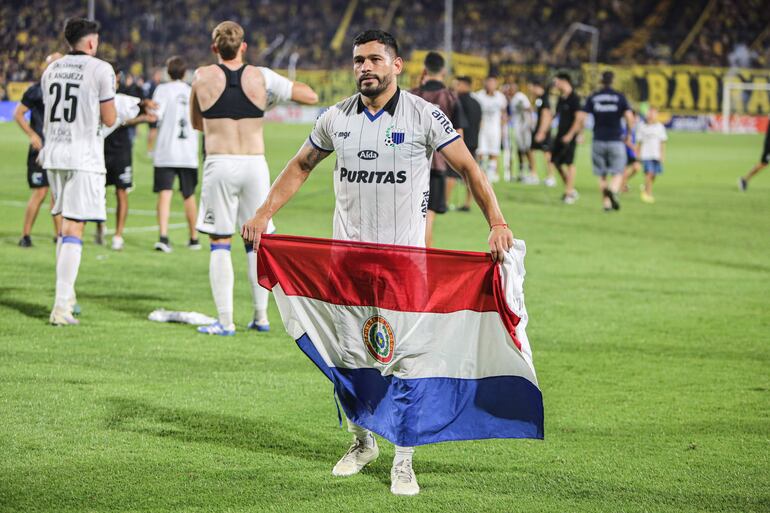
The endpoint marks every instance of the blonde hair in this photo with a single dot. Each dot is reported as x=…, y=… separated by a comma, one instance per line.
x=227, y=38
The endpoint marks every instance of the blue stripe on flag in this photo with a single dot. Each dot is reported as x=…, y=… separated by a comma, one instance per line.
x=420, y=411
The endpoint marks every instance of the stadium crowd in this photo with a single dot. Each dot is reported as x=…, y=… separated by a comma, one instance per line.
x=139, y=34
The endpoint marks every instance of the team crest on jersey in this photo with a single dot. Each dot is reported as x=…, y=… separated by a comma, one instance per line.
x=379, y=339
x=394, y=136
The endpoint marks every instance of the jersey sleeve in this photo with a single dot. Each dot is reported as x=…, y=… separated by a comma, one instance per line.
x=525, y=103
x=588, y=106
x=278, y=87
x=321, y=135
x=439, y=130
x=31, y=96
x=106, y=83
x=663, y=134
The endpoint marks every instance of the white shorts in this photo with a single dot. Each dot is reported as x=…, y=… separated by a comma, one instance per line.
x=523, y=138
x=489, y=141
x=78, y=195
x=234, y=186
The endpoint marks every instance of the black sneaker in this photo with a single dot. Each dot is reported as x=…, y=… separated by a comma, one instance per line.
x=464, y=209
x=742, y=184
x=25, y=242
x=613, y=199
x=194, y=245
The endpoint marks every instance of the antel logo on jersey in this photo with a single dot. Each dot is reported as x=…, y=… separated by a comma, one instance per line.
x=372, y=176
x=368, y=154
x=379, y=339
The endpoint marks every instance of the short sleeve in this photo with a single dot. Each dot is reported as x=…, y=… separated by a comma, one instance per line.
x=321, y=135
x=106, y=83
x=624, y=106
x=546, y=103
x=525, y=103
x=663, y=134
x=439, y=130
x=158, y=97
x=588, y=106
x=574, y=102
x=31, y=96
x=278, y=87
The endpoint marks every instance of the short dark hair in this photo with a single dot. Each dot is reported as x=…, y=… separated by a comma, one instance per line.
x=464, y=78
x=563, y=75
x=367, y=36
x=434, y=62
x=76, y=29
x=491, y=75
x=176, y=67
x=537, y=82
x=607, y=77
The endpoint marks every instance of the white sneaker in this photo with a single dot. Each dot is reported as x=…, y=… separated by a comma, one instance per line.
x=117, y=243
x=162, y=246
x=530, y=180
x=358, y=456
x=550, y=182
x=402, y=479
x=62, y=318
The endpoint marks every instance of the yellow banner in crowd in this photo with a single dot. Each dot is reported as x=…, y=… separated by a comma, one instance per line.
x=688, y=90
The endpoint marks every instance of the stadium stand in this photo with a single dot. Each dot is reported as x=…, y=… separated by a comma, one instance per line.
x=140, y=34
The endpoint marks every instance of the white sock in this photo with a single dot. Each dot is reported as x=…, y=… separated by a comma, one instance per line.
x=362, y=434
x=402, y=453
x=258, y=294
x=221, y=278
x=491, y=168
x=67, y=266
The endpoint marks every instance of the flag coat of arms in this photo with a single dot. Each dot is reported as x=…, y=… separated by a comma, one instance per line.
x=422, y=345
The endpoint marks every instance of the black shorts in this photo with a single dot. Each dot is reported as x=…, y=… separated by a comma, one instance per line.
x=437, y=197
x=119, y=171
x=164, y=179
x=542, y=146
x=563, y=154
x=36, y=175
x=765, y=159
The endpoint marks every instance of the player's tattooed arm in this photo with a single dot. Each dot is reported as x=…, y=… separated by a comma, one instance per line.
x=309, y=156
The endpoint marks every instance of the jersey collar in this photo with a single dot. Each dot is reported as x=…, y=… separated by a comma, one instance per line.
x=78, y=52
x=389, y=107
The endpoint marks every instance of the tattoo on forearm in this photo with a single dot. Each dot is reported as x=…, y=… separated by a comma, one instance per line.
x=312, y=158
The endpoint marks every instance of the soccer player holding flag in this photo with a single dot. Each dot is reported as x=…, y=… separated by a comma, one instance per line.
x=384, y=139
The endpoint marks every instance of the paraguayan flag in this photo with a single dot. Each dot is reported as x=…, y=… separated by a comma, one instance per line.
x=422, y=345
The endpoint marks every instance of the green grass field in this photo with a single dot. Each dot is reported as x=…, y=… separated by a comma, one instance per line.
x=650, y=331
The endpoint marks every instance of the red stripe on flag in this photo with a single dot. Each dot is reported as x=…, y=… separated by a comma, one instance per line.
x=401, y=278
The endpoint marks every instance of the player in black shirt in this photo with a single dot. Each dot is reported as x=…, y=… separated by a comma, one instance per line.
x=118, y=148
x=743, y=182
x=37, y=179
x=570, y=124
x=472, y=109
x=541, y=132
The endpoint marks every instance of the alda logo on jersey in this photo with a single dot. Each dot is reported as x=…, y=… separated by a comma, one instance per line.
x=394, y=136
x=368, y=154
x=379, y=339
x=372, y=176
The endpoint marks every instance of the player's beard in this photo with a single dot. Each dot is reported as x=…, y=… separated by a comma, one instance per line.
x=372, y=91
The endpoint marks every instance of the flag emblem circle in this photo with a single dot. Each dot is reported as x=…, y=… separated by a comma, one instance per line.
x=379, y=339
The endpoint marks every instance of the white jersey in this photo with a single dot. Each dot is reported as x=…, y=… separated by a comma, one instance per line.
x=382, y=173
x=521, y=111
x=650, y=138
x=492, y=108
x=278, y=88
x=73, y=89
x=177, y=143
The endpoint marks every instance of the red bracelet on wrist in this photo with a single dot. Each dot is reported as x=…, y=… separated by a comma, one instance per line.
x=504, y=225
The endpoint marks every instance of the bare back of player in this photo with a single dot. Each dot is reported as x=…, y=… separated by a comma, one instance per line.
x=227, y=136
x=228, y=103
